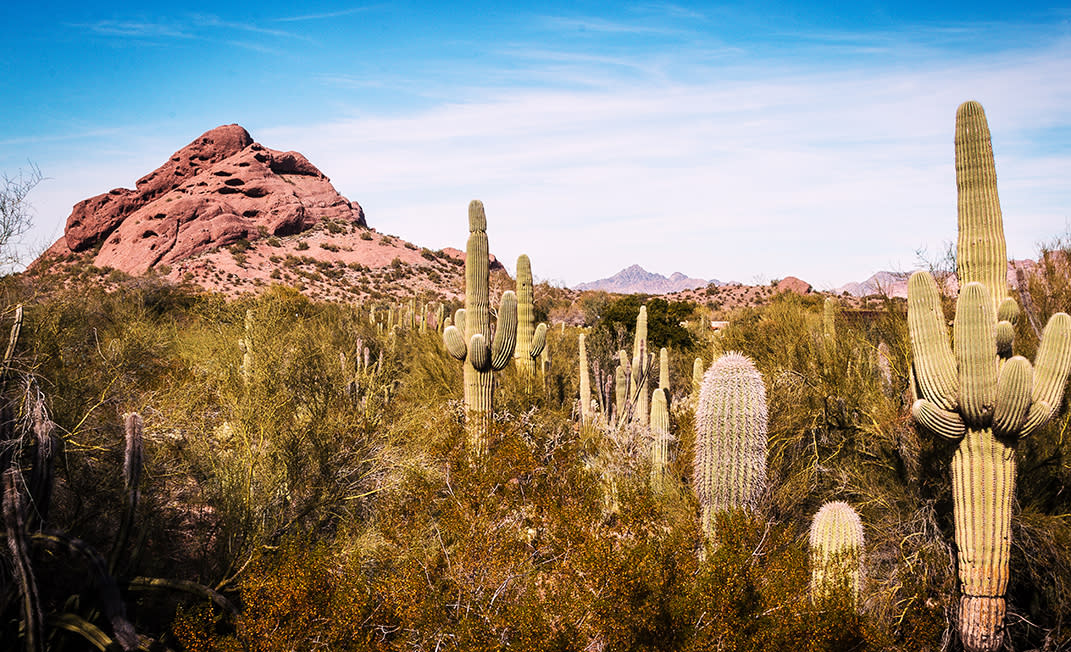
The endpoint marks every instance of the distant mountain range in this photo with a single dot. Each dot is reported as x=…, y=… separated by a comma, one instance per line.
x=637, y=280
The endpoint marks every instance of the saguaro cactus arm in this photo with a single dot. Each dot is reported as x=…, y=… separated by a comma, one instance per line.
x=934, y=363
x=505, y=332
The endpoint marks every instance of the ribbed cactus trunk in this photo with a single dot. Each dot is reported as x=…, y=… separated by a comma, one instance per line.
x=530, y=339
x=586, y=416
x=981, y=254
x=836, y=541
x=474, y=345
x=730, y=439
x=620, y=395
x=976, y=392
x=640, y=367
x=660, y=440
x=663, y=369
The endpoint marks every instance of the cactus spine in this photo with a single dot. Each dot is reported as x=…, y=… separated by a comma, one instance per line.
x=730, y=438
x=530, y=338
x=659, y=439
x=585, y=385
x=836, y=551
x=977, y=393
x=469, y=339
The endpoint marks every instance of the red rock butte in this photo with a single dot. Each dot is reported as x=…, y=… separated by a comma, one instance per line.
x=219, y=189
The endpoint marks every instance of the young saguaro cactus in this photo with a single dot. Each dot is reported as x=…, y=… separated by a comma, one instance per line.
x=976, y=392
x=660, y=439
x=730, y=438
x=836, y=551
x=586, y=416
x=469, y=338
x=530, y=338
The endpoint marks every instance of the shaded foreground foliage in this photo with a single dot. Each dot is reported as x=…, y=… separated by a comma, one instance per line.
x=334, y=502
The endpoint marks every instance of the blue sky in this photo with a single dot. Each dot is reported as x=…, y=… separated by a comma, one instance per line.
x=721, y=140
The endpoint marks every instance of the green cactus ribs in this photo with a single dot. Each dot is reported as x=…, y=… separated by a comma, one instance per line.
x=976, y=392
x=531, y=339
x=470, y=339
x=836, y=541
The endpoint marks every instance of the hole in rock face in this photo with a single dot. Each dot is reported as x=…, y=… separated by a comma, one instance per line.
x=222, y=173
x=226, y=190
x=75, y=224
x=149, y=234
x=252, y=192
x=234, y=182
x=260, y=157
x=159, y=216
x=252, y=212
x=243, y=164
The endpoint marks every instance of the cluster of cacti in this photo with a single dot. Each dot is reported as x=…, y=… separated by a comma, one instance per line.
x=531, y=339
x=469, y=338
x=730, y=438
x=836, y=541
x=976, y=392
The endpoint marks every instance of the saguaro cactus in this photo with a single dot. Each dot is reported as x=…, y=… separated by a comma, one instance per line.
x=530, y=338
x=978, y=393
x=730, y=438
x=697, y=376
x=585, y=384
x=660, y=439
x=836, y=551
x=640, y=367
x=663, y=368
x=469, y=339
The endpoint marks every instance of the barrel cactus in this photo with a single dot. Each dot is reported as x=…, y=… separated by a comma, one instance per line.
x=469, y=338
x=977, y=392
x=730, y=438
x=530, y=338
x=836, y=552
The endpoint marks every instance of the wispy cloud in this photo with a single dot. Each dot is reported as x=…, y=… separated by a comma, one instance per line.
x=192, y=26
x=597, y=26
x=825, y=175
x=330, y=14
x=137, y=29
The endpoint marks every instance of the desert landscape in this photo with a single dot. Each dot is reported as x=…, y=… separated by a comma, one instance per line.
x=242, y=410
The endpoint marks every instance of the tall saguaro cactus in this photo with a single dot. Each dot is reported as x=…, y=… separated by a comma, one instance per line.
x=640, y=368
x=730, y=438
x=976, y=392
x=530, y=338
x=469, y=339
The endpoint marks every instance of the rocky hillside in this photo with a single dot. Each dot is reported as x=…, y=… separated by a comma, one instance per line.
x=232, y=215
